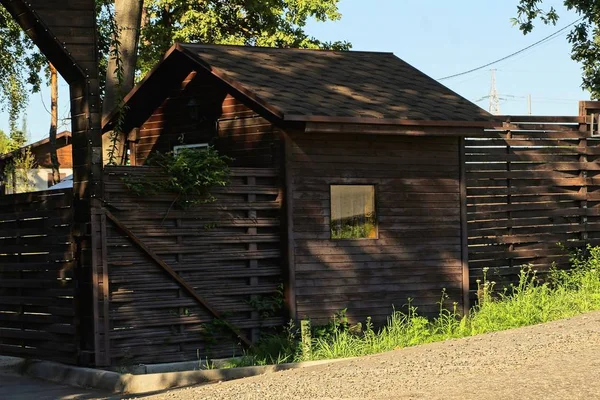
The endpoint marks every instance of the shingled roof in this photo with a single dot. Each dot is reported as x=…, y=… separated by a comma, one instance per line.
x=347, y=84
x=293, y=85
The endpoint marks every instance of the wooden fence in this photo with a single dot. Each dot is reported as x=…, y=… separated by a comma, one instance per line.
x=532, y=184
x=38, y=301
x=178, y=284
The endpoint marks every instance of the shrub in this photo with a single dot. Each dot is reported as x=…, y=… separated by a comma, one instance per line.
x=190, y=174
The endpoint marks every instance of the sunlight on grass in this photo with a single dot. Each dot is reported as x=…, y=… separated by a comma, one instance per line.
x=563, y=294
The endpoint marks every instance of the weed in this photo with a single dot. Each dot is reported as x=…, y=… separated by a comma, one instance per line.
x=529, y=301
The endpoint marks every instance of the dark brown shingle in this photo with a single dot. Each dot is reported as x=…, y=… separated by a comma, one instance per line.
x=337, y=84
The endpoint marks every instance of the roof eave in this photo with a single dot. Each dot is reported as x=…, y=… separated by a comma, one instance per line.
x=397, y=130
x=108, y=120
x=389, y=121
x=62, y=135
x=242, y=91
x=271, y=112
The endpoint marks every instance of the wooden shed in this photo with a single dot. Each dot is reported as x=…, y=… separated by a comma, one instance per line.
x=369, y=152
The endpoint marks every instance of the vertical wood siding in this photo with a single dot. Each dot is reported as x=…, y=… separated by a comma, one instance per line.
x=418, y=253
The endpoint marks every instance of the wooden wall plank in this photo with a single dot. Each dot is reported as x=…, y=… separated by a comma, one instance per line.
x=225, y=122
x=418, y=252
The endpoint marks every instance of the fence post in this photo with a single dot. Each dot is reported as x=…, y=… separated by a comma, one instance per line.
x=511, y=246
x=586, y=108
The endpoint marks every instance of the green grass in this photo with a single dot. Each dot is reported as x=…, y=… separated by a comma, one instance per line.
x=563, y=294
x=360, y=227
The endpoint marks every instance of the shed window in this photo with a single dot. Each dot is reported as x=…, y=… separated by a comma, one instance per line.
x=353, y=212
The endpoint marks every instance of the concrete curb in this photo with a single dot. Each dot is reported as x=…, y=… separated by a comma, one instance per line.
x=134, y=384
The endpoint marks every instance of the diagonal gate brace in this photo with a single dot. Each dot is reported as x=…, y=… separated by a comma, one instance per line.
x=176, y=276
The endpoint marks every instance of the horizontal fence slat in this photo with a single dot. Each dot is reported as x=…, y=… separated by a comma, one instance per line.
x=37, y=289
x=530, y=188
x=228, y=251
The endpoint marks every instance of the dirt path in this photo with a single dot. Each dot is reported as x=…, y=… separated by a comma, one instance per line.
x=559, y=360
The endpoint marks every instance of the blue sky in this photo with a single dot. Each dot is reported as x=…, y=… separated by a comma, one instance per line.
x=440, y=38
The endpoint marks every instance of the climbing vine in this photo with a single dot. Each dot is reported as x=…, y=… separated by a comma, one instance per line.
x=115, y=53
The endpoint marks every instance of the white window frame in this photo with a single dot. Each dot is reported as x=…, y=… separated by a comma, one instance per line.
x=178, y=148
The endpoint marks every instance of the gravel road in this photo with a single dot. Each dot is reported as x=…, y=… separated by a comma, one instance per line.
x=558, y=360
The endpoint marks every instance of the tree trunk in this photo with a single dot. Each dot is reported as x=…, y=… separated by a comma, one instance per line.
x=128, y=16
x=54, y=124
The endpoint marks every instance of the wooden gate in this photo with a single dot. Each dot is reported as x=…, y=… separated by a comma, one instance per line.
x=180, y=284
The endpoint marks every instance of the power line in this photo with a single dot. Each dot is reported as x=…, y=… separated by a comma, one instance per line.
x=513, y=54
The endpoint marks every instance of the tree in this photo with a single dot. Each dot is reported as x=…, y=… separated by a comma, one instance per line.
x=18, y=137
x=272, y=23
x=20, y=170
x=123, y=29
x=584, y=37
x=124, y=36
x=275, y=23
x=5, y=143
x=17, y=174
x=20, y=65
x=54, y=123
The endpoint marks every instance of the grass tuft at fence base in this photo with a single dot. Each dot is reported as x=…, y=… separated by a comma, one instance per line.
x=563, y=294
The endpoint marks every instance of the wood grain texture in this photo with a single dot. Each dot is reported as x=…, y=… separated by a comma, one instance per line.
x=220, y=120
x=37, y=288
x=530, y=185
x=227, y=252
x=418, y=252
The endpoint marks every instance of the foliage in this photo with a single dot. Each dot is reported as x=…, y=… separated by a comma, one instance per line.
x=274, y=348
x=358, y=227
x=191, y=174
x=20, y=65
x=530, y=301
x=114, y=52
x=15, y=140
x=268, y=305
x=584, y=37
x=18, y=138
x=6, y=145
x=18, y=172
x=271, y=23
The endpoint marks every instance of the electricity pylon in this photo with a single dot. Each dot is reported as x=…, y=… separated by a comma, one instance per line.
x=494, y=98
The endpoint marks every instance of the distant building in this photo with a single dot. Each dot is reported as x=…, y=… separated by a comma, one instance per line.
x=39, y=177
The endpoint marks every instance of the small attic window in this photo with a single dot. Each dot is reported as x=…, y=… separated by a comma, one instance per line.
x=353, y=212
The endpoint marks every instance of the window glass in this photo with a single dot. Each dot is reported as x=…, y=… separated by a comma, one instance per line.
x=353, y=212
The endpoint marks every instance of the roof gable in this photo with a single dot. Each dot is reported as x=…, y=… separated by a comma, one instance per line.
x=293, y=85
x=315, y=83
